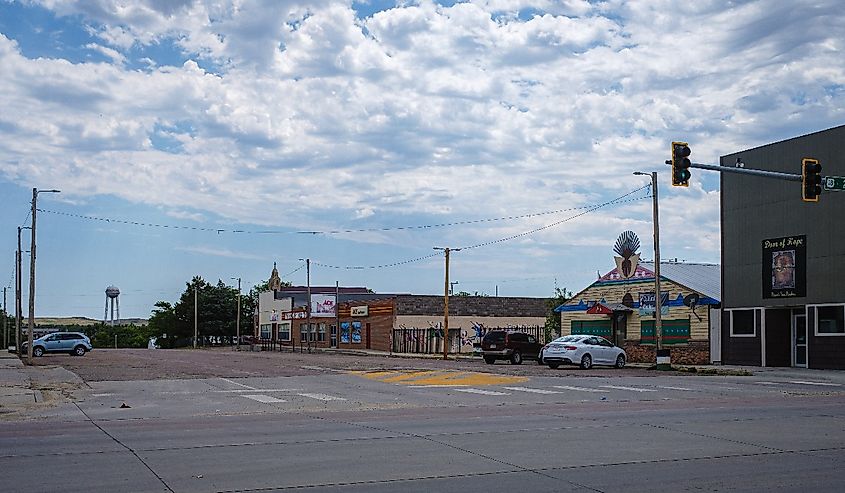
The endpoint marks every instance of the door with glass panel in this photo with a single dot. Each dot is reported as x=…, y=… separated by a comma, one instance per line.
x=799, y=340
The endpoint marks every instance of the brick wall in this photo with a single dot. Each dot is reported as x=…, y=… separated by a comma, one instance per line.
x=694, y=353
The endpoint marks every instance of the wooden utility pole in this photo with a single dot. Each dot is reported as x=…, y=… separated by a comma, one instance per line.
x=308, y=306
x=195, y=316
x=5, y=322
x=18, y=294
x=35, y=193
x=446, y=250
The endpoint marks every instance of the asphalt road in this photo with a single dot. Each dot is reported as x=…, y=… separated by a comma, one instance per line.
x=331, y=423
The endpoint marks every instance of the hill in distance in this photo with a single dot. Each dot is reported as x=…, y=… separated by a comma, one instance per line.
x=83, y=321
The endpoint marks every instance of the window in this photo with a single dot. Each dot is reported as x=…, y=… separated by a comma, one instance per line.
x=518, y=337
x=532, y=340
x=321, y=332
x=743, y=323
x=265, y=331
x=605, y=343
x=284, y=332
x=830, y=320
x=672, y=331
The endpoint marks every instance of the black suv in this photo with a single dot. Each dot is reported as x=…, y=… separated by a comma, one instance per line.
x=513, y=346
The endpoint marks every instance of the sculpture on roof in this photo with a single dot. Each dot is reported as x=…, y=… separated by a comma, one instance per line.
x=275, y=282
x=627, y=245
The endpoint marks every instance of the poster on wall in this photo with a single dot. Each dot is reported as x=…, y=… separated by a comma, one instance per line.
x=356, y=332
x=785, y=267
x=344, y=332
x=647, y=303
x=322, y=305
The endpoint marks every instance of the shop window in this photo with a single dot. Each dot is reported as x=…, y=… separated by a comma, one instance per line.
x=321, y=332
x=674, y=331
x=284, y=332
x=830, y=320
x=743, y=323
x=265, y=331
x=591, y=327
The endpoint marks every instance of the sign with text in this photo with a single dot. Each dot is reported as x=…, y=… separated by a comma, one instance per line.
x=785, y=267
x=647, y=303
x=322, y=305
x=359, y=311
x=834, y=183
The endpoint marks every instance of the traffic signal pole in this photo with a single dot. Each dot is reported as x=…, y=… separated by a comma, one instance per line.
x=746, y=171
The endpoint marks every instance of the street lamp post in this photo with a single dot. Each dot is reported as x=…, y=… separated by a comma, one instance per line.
x=35, y=193
x=238, y=319
x=662, y=358
x=446, y=286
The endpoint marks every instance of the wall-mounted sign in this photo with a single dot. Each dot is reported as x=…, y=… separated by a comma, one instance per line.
x=322, y=305
x=301, y=314
x=274, y=316
x=785, y=267
x=359, y=311
x=647, y=303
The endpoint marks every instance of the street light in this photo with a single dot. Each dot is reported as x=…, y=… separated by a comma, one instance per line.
x=446, y=301
x=35, y=193
x=662, y=360
x=238, y=323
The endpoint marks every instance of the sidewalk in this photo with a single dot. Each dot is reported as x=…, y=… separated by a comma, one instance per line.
x=15, y=384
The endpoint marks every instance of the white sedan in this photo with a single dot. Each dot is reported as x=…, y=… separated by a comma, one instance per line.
x=582, y=350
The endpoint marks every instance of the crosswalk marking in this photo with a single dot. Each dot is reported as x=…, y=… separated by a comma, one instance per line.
x=266, y=399
x=826, y=384
x=533, y=391
x=581, y=389
x=619, y=387
x=322, y=397
x=482, y=392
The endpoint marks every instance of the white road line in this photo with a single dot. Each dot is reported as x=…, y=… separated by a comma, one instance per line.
x=236, y=383
x=482, y=392
x=533, y=391
x=581, y=389
x=826, y=384
x=619, y=387
x=101, y=395
x=322, y=397
x=266, y=399
x=674, y=388
x=768, y=383
x=250, y=390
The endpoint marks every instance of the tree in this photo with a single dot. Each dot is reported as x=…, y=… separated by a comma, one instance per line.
x=163, y=323
x=552, y=325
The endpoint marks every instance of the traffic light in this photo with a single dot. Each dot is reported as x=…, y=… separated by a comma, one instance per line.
x=680, y=164
x=811, y=179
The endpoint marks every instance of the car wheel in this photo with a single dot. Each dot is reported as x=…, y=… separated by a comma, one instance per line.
x=489, y=360
x=38, y=351
x=620, y=361
x=79, y=351
x=554, y=366
x=586, y=362
x=516, y=358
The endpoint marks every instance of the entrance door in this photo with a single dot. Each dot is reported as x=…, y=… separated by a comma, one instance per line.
x=799, y=340
x=333, y=330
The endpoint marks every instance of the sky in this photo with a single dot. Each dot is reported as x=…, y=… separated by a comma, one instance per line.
x=215, y=138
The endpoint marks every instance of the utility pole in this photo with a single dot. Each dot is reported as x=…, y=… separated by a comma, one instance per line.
x=662, y=358
x=308, y=307
x=5, y=322
x=35, y=193
x=18, y=294
x=446, y=285
x=195, y=316
x=238, y=323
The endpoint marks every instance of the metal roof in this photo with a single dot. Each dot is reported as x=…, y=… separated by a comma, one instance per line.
x=703, y=278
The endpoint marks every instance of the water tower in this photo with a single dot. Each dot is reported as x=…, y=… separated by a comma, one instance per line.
x=112, y=294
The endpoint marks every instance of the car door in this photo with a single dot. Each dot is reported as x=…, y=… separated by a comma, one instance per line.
x=532, y=347
x=594, y=348
x=53, y=343
x=608, y=352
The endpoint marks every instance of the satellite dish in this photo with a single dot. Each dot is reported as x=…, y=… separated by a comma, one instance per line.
x=691, y=300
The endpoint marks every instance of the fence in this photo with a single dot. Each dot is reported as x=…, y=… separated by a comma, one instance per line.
x=430, y=340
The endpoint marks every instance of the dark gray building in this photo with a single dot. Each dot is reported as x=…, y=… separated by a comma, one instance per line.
x=783, y=259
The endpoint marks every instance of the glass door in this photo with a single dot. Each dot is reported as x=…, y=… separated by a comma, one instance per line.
x=799, y=340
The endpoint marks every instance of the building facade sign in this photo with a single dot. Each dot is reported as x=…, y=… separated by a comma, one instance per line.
x=647, y=303
x=322, y=305
x=785, y=267
x=301, y=314
x=359, y=311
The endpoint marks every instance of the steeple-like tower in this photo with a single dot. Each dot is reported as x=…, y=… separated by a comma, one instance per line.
x=275, y=280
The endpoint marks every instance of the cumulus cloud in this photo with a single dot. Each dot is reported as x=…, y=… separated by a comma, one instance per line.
x=421, y=112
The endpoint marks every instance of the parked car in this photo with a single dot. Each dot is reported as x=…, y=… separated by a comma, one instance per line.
x=513, y=346
x=582, y=350
x=74, y=343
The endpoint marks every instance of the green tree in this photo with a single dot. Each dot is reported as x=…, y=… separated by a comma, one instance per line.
x=163, y=324
x=552, y=326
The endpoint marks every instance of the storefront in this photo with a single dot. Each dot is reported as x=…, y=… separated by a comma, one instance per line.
x=620, y=307
x=783, y=259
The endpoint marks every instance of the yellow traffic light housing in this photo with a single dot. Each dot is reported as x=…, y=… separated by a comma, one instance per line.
x=680, y=164
x=811, y=179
